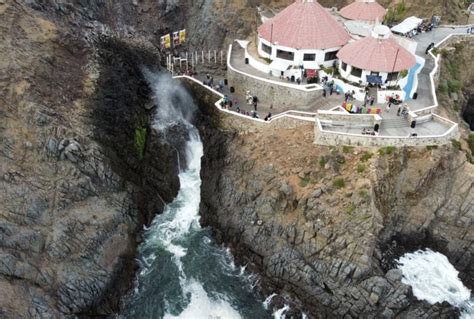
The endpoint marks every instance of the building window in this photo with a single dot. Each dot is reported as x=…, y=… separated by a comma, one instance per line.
x=285, y=55
x=266, y=48
x=329, y=56
x=309, y=57
x=392, y=76
x=356, y=72
x=344, y=66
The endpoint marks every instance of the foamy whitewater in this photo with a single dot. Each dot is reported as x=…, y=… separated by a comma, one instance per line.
x=183, y=273
x=434, y=279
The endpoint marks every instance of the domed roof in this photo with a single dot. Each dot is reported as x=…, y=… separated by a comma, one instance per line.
x=366, y=10
x=305, y=24
x=378, y=52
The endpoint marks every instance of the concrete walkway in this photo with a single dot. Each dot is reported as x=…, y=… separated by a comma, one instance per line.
x=425, y=96
x=392, y=124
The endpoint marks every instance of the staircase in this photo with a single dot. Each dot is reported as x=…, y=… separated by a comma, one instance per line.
x=397, y=122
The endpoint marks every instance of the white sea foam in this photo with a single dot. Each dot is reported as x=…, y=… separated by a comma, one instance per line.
x=281, y=313
x=268, y=300
x=434, y=279
x=202, y=306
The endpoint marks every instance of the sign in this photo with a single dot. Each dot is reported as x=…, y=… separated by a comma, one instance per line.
x=176, y=38
x=166, y=41
x=182, y=36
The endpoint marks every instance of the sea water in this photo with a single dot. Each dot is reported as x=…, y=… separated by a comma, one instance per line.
x=434, y=279
x=183, y=272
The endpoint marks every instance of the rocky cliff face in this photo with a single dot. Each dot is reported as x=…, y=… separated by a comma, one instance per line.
x=76, y=187
x=324, y=224
x=77, y=182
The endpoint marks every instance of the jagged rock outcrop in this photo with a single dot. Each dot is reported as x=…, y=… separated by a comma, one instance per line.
x=324, y=224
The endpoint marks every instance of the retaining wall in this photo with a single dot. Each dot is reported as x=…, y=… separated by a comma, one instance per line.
x=324, y=137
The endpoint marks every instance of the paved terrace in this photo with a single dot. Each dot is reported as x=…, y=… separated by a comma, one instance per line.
x=392, y=125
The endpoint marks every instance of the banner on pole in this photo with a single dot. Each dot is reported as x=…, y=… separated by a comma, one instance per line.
x=182, y=36
x=176, y=38
x=166, y=41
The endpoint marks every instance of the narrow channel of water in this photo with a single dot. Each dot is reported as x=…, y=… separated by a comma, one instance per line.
x=183, y=273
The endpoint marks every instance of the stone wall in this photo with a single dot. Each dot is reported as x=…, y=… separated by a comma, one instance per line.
x=323, y=137
x=333, y=118
x=269, y=92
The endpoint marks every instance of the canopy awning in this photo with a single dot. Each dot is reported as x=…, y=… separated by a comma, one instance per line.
x=374, y=79
x=310, y=65
x=407, y=25
x=280, y=65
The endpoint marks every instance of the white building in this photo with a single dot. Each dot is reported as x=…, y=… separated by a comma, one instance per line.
x=376, y=59
x=303, y=35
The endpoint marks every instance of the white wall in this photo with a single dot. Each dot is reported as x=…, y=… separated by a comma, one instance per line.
x=298, y=54
x=349, y=77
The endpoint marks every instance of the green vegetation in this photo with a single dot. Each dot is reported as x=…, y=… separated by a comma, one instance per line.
x=364, y=194
x=386, y=150
x=360, y=168
x=327, y=70
x=322, y=161
x=140, y=140
x=431, y=147
x=350, y=209
x=305, y=182
x=470, y=141
x=454, y=86
x=347, y=149
x=366, y=156
x=395, y=14
x=339, y=183
x=267, y=60
x=403, y=73
x=456, y=144
x=443, y=87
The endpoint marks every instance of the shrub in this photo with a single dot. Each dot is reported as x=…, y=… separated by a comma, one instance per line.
x=454, y=85
x=366, y=156
x=456, y=144
x=304, y=181
x=443, y=88
x=431, y=147
x=339, y=183
x=347, y=149
x=350, y=209
x=470, y=141
x=322, y=161
x=360, y=168
x=387, y=150
x=140, y=141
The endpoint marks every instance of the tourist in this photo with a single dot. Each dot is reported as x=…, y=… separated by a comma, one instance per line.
x=268, y=117
x=271, y=106
x=372, y=100
x=298, y=80
x=399, y=109
x=208, y=76
x=389, y=105
x=324, y=91
x=255, y=106
x=238, y=109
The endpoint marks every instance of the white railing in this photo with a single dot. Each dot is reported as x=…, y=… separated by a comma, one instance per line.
x=304, y=116
x=305, y=88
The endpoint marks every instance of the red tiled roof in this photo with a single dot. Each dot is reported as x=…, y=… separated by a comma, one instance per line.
x=304, y=25
x=377, y=55
x=365, y=10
